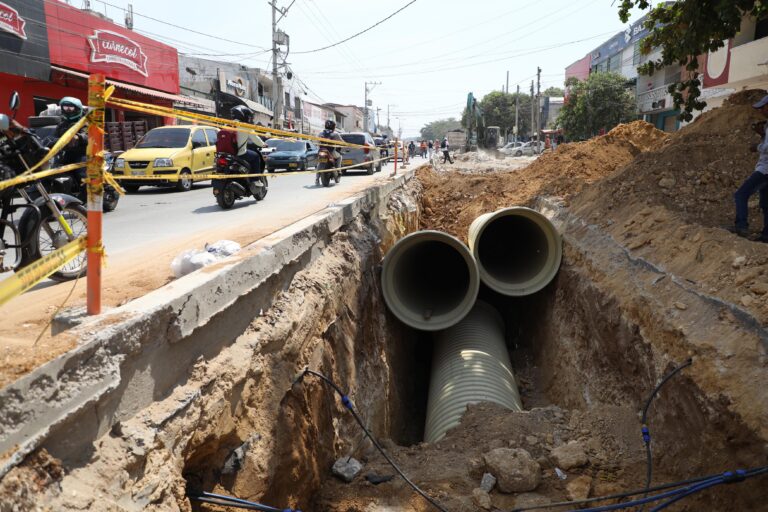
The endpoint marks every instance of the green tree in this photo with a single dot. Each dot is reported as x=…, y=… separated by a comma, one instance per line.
x=499, y=110
x=438, y=129
x=553, y=92
x=684, y=30
x=598, y=103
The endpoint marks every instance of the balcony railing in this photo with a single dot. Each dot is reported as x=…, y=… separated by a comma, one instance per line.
x=654, y=100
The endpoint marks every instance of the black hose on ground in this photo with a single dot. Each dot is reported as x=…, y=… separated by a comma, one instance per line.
x=646, y=431
x=229, y=501
x=348, y=404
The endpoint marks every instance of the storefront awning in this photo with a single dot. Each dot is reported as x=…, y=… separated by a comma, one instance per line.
x=257, y=107
x=175, y=98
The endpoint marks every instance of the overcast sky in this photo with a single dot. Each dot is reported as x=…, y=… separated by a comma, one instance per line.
x=427, y=57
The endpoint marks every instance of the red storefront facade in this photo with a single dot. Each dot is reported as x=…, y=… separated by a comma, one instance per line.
x=79, y=43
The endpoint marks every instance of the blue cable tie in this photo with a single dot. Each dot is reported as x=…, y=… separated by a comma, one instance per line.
x=346, y=401
x=646, y=434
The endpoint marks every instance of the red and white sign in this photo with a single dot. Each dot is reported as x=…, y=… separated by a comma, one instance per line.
x=108, y=46
x=10, y=21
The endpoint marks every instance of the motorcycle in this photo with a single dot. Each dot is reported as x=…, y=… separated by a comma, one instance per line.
x=326, y=160
x=48, y=221
x=227, y=191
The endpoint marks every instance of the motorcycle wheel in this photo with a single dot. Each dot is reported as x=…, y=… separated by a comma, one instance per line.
x=50, y=236
x=226, y=198
x=262, y=191
x=325, y=178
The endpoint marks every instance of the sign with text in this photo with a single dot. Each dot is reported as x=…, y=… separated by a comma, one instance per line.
x=108, y=46
x=10, y=21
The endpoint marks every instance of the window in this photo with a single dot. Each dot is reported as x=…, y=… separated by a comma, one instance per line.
x=636, y=55
x=165, y=138
x=354, y=138
x=211, y=133
x=199, y=138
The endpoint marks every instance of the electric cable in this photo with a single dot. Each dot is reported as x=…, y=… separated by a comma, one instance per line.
x=229, y=501
x=348, y=404
x=359, y=33
x=645, y=431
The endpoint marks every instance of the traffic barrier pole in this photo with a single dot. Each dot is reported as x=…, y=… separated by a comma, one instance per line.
x=395, y=171
x=95, y=183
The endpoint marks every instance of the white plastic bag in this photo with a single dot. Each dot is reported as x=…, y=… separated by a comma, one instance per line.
x=191, y=260
x=223, y=248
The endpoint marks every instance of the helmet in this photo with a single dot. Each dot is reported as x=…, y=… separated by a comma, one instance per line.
x=242, y=113
x=330, y=125
x=71, y=108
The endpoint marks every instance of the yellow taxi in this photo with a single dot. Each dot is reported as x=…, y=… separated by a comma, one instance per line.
x=174, y=151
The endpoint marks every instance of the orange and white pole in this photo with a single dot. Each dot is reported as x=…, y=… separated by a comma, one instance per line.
x=395, y=171
x=95, y=183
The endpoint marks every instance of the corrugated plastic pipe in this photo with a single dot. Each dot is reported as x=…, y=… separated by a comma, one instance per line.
x=470, y=364
x=518, y=250
x=429, y=280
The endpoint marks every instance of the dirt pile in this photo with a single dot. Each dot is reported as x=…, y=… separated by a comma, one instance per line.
x=452, y=202
x=697, y=170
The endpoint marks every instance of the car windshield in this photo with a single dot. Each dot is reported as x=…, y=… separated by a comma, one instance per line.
x=353, y=138
x=165, y=138
x=285, y=145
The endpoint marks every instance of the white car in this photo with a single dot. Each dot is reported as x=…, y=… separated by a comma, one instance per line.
x=528, y=149
x=510, y=148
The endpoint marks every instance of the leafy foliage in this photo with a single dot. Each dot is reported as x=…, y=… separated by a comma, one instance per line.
x=598, y=103
x=438, y=129
x=553, y=92
x=684, y=30
x=499, y=110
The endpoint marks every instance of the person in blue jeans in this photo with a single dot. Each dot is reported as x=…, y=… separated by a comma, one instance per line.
x=757, y=182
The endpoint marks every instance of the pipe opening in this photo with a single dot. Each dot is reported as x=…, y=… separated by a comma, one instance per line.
x=432, y=277
x=513, y=248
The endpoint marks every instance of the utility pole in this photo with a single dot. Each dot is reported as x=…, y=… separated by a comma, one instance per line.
x=378, y=120
x=538, y=105
x=275, y=84
x=533, y=111
x=517, y=112
x=507, y=81
x=365, y=116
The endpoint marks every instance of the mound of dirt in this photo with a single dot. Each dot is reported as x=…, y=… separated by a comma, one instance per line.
x=696, y=171
x=452, y=201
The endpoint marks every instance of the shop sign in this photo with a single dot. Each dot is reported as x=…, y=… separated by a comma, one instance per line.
x=111, y=47
x=10, y=21
x=237, y=85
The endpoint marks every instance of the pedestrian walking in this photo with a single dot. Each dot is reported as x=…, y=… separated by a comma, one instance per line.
x=430, y=147
x=446, y=147
x=423, y=147
x=757, y=182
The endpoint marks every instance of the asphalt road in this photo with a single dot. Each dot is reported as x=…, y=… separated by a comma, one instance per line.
x=153, y=215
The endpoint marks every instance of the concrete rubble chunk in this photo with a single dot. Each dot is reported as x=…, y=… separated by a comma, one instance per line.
x=347, y=468
x=514, y=468
x=578, y=488
x=482, y=499
x=488, y=482
x=570, y=455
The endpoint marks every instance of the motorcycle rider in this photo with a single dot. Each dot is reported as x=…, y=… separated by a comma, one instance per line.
x=71, y=112
x=245, y=115
x=331, y=134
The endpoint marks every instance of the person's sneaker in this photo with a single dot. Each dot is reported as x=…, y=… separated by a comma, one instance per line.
x=742, y=232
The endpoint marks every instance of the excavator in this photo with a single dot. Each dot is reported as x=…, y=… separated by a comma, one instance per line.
x=479, y=135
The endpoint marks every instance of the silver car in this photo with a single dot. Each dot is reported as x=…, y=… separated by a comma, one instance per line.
x=360, y=156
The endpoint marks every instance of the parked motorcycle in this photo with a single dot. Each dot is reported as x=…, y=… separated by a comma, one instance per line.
x=48, y=221
x=325, y=160
x=227, y=191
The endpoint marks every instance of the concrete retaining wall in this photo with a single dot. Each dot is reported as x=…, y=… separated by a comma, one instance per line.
x=66, y=404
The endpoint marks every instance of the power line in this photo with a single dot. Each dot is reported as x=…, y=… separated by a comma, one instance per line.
x=183, y=28
x=359, y=33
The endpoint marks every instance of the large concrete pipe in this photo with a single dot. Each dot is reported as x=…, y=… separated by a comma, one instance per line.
x=430, y=280
x=470, y=364
x=518, y=250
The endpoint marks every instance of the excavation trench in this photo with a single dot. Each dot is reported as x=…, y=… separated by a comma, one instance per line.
x=585, y=355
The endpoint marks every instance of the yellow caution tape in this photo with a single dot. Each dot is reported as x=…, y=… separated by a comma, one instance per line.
x=224, y=123
x=36, y=271
x=26, y=177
